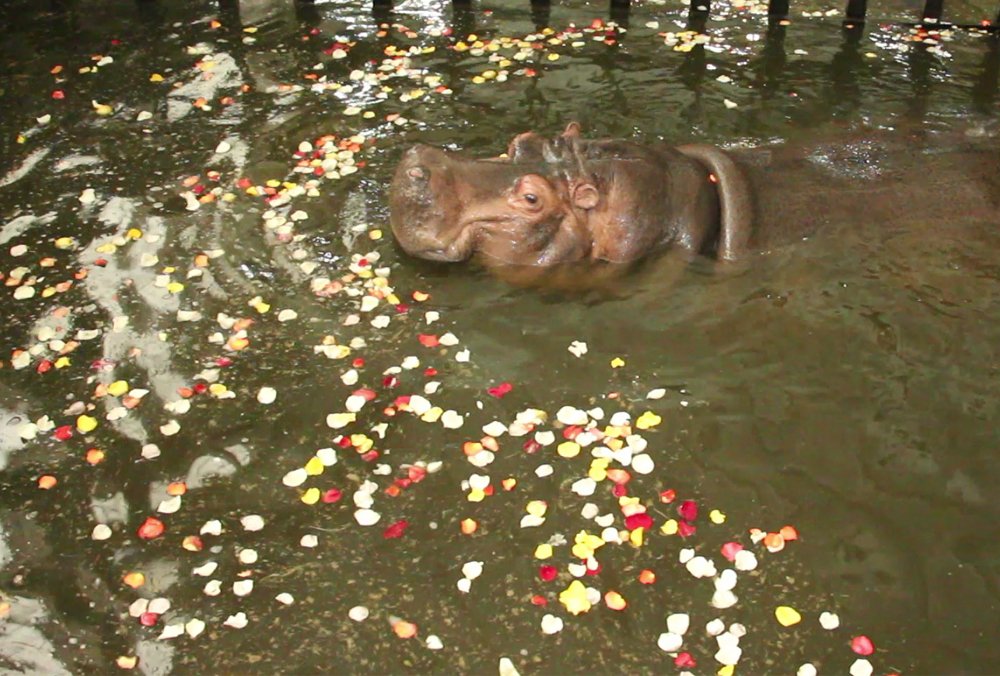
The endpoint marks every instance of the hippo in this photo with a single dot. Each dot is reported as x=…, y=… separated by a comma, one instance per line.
x=567, y=199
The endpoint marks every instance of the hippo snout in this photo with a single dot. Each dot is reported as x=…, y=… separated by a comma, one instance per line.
x=424, y=207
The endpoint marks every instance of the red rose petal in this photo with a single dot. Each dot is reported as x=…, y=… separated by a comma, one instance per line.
x=332, y=495
x=688, y=510
x=499, y=391
x=63, y=433
x=685, y=661
x=731, y=549
x=862, y=645
x=684, y=529
x=428, y=340
x=548, y=573
x=396, y=530
x=642, y=520
x=151, y=528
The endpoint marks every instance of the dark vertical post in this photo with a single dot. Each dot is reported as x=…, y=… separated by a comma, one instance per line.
x=777, y=9
x=619, y=12
x=382, y=11
x=855, y=12
x=984, y=92
x=698, y=13
x=933, y=10
x=541, y=13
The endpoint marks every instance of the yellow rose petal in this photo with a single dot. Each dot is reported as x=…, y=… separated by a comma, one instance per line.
x=648, y=420
x=787, y=616
x=311, y=496
x=717, y=517
x=568, y=449
x=118, y=388
x=543, y=551
x=85, y=423
x=314, y=467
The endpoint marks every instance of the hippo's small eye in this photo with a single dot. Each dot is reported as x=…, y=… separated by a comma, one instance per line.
x=530, y=198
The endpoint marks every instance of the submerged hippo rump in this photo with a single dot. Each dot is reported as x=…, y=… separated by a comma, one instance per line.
x=568, y=199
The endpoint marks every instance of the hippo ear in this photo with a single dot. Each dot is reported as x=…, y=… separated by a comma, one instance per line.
x=572, y=129
x=585, y=195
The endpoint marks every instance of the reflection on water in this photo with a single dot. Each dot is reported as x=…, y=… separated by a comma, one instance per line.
x=193, y=216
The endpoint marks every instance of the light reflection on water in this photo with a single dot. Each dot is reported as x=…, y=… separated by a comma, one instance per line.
x=843, y=383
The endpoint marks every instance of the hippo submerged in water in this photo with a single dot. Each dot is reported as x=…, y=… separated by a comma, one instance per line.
x=568, y=199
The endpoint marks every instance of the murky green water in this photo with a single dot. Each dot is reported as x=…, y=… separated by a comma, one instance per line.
x=844, y=384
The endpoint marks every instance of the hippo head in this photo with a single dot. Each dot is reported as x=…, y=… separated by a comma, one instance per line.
x=514, y=210
x=560, y=200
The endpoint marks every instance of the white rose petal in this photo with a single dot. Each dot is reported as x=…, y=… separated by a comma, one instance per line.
x=358, y=613
x=170, y=505
x=213, y=588
x=670, y=642
x=285, y=598
x=242, y=587
x=267, y=395
x=568, y=415
x=433, y=642
x=643, y=464
x=194, y=627
x=472, y=569
x=252, y=522
x=806, y=669
x=237, y=621
x=658, y=393
x=543, y=471
x=205, y=569
x=678, y=623
x=171, y=631
x=551, y=624
x=295, y=478
x=247, y=556
x=452, y=420
x=584, y=487
x=715, y=627
x=101, y=532
x=159, y=605
x=861, y=667
x=213, y=527
x=829, y=621
x=507, y=668
x=367, y=517
x=309, y=540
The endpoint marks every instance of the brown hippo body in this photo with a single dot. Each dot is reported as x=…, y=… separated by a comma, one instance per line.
x=568, y=199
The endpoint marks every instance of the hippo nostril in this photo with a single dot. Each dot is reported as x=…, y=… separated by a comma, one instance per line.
x=418, y=173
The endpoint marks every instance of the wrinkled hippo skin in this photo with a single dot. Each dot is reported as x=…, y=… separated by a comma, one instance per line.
x=568, y=199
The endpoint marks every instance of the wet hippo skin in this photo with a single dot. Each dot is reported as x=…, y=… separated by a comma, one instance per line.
x=567, y=199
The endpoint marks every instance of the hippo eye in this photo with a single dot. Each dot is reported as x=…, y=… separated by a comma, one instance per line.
x=530, y=198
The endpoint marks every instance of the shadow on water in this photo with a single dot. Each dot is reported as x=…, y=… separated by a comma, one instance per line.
x=844, y=382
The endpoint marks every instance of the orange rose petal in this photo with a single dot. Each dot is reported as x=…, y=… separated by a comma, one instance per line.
x=192, y=543
x=789, y=533
x=404, y=629
x=647, y=576
x=176, y=488
x=509, y=483
x=95, y=456
x=134, y=579
x=614, y=600
x=47, y=481
x=774, y=542
x=469, y=526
